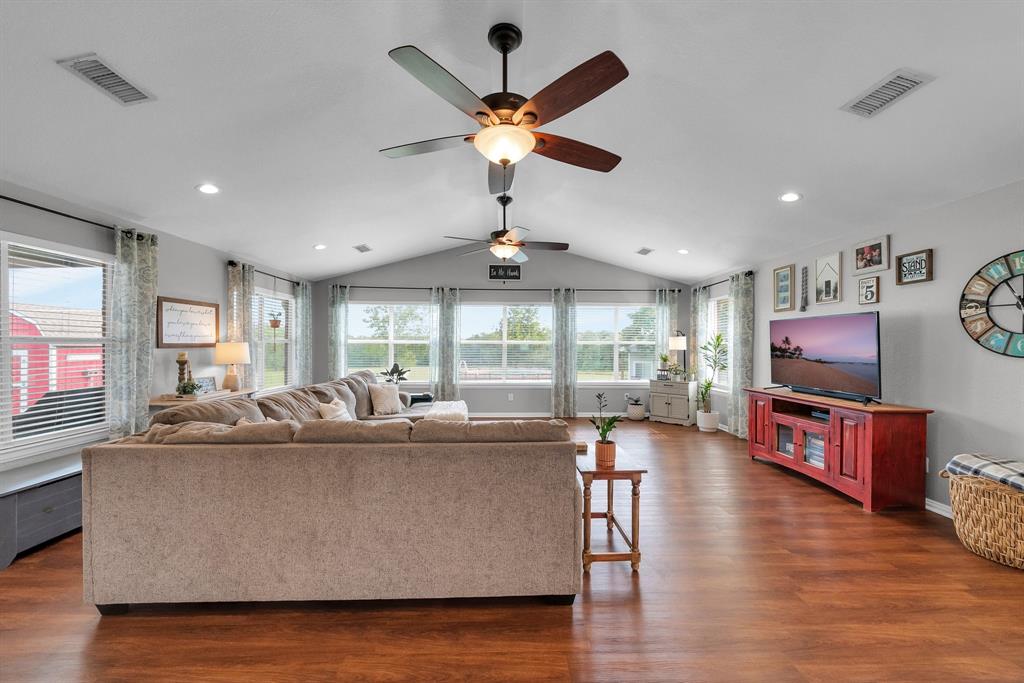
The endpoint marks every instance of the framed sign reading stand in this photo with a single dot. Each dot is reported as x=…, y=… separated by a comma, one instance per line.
x=186, y=324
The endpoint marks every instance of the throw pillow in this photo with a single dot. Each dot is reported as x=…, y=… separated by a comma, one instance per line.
x=384, y=398
x=335, y=410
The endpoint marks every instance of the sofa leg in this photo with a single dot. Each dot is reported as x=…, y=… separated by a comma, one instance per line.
x=559, y=599
x=117, y=608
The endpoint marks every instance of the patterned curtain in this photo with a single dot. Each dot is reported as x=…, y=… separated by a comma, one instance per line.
x=241, y=322
x=337, y=322
x=303, y=333
x=666, y=318
x=698, y=330
x=563, y=345
x=741, y=349
x=444, y=343
x=133, y=327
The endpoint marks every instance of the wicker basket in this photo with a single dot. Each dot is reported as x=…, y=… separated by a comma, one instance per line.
x=988, y=517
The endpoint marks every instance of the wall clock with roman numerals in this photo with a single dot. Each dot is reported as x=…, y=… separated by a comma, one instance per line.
x=992, y=305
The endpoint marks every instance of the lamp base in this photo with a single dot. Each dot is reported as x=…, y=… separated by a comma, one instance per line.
x=231, y=380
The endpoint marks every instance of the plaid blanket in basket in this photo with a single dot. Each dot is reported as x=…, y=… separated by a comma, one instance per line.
x=1003, y=470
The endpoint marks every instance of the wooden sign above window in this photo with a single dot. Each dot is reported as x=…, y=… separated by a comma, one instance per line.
x=505, y=272
x=186, y=324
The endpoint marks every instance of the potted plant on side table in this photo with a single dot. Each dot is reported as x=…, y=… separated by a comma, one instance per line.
x=394, y=375
x=604, y=448
x=714, y=352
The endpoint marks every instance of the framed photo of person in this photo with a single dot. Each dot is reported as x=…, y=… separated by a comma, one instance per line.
x=782, y=286
x=871, y=256
x=867, y=290
x=914, y=267
x=828, y=278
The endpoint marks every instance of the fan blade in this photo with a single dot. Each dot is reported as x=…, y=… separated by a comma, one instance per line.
x=437, y=78
x=424, y=146
x=500, y=179
x=473, y=251
x=574, y=89
x=546, y=246
x=466, y=239
x=516, y=233
x=575, y=152
x=519, y=257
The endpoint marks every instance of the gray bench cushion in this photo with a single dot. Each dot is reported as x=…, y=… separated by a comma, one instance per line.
x=1002, y=470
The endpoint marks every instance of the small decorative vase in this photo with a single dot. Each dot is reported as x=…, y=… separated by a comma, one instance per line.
x=605, y=451
x=636, y=412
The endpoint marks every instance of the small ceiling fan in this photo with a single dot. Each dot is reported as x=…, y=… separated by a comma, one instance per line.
x=507, y=119
x=508, y=244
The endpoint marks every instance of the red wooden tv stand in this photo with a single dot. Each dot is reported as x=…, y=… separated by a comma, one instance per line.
x=873, y=453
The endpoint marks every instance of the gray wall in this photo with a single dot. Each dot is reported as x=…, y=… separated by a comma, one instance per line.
x=187, y=270
x=927, y=358
x=544, y=270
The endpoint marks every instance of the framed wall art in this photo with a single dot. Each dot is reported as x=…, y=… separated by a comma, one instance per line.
x=867, y=290
x=914, y=267
x=186, y=324
x=784, y=296
x=871, y=256
x=828, y=278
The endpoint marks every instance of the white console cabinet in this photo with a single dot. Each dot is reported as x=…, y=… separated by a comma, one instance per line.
x=674, y=402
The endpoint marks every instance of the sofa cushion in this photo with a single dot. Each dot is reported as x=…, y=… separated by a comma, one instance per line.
x=358, y=388
x=384, y=399
x=416, y=412
x=368, y=376
x=246, y=432
x=295, y=404
x=433, y=431
x=225, y=411
x=335, y=410
x=342, y=391
x=356, y=431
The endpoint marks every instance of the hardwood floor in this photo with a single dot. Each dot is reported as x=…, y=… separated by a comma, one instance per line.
x=750, y=573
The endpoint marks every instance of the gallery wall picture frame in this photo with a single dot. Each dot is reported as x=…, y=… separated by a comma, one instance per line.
x=914, y=267
x=871, y=256
x=828, y=278
x=206, y=384
x=784, y=288
x=868, y=290
x=186, y=324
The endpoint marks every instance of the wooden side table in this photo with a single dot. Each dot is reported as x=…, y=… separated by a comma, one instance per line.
x=625, y=469
x=156, y=402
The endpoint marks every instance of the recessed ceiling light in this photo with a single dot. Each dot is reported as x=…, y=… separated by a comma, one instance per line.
x=208, y=188
x=684, y=252
x=319, y=247
x=790, y=197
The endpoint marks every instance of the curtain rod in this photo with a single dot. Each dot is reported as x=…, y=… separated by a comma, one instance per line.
x=499, y=289
x=747, y=273
x=58, y=213
x=234, y=264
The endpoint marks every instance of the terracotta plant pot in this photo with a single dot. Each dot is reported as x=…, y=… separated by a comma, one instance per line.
x=605, y=451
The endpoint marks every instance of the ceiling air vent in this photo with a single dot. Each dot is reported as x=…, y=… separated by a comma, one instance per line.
x=90, y=68
x=362, y=248
x=893, y=87
x=644, y=251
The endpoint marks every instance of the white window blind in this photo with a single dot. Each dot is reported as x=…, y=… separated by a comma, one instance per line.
x=615, y=343
x=719, y=311
x=380, y=335
x=505, y=343
x=54, y=327
x=274, y=362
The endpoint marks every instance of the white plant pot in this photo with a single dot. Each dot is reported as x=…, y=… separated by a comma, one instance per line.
x=636, y=412
x=707, y=422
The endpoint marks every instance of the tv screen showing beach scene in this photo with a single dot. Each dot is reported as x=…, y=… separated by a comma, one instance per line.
x=831, y=353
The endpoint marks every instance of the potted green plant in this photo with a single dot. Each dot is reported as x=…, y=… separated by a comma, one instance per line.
x=635, y=408
x=188, y=387
x=394, y=375
x=664, y=358
x=715, y=353
x=605, y=447
x=675, y=370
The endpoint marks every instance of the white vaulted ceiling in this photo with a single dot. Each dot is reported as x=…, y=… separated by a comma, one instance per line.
x=285, y=104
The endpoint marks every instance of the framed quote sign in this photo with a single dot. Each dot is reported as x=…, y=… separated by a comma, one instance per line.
x=186, y=324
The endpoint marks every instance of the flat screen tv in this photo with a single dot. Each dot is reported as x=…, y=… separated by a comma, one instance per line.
x=834, y=355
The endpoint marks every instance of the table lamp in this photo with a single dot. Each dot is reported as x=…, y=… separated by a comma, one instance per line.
x=678, y=343
x=231, y=354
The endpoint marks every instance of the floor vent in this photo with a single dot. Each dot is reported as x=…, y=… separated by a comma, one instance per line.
x=90, y=68
x=892, y=88
x=644, y=251
x=362, y=248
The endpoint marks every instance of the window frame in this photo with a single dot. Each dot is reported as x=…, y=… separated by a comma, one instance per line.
x=262, y=293
x=504, y=342
x=616, y=345
x=42, y=447
x=712, y=328
x=390, y=341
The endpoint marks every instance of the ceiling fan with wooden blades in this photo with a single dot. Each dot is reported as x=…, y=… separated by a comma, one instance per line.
x=507, y=120
x=508, y=244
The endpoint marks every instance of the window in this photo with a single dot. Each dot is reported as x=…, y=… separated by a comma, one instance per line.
x=380, y=335
x=505, y=343
x=718, y=321
x=274, y=359
x=615, y=343
x=54, y=326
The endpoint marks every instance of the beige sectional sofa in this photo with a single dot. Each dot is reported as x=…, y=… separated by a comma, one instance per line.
x=309, y=509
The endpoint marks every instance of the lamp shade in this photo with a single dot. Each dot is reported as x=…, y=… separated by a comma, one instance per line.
x=504, y=143
x=504, y=251
x=227, y=353
x=677, y=343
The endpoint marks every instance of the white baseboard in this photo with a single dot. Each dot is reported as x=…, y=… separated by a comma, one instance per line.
x=938, y=508
x=520, y=414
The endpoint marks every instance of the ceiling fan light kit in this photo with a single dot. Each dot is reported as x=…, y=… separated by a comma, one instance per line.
x=504, y=143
